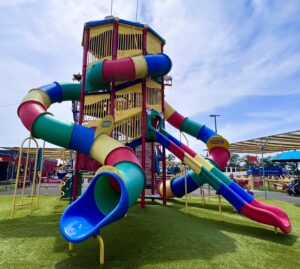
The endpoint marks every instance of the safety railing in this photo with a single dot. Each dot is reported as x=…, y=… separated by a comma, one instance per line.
x=128, y=130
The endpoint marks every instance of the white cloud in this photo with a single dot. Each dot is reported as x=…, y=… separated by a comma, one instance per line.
x=221, y=52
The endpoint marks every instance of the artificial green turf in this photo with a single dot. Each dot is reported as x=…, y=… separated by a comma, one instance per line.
x=154, y=237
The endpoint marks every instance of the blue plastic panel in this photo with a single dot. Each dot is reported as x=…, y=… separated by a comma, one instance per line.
x=241, y=192
x=82, y=139
x=178, y=185
x=205, y=133
x=231, y=197
x=83, y=218
x=174, y=140
x=160, y=138
x=158, y=65
x=54, y=91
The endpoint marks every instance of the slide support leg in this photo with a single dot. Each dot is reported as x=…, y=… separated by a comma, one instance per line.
x=101, y=249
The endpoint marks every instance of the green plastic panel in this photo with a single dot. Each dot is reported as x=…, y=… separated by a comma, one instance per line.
x=134, y=178
x=52, y=130
x=221, y=176
x=94, y=80
x=199, y=180
x=105, y=196
x=71, y=91
x=211, y=179
x=190, y=127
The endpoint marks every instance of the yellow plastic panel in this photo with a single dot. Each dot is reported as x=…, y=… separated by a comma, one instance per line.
x=129, y=98
x=217, y=141
x=134, y=88
x=130, y=40
x=110, y=169
x=100, y=44
x=192, y=163
x=153, y=84
x=141, y=67
x=204, y=162
x=102, y=146
x=92, y=123
x=92, y=99
x=94, y=31
x=106, y=126
x=169, y=111
x=124, y=115
x=39, y=96
x=153, y=44
x=169, y=192
x=96, y=107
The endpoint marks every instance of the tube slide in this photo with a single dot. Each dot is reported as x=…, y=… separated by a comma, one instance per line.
x=116, y=185
x=218, y=155
x=204, y=171
x=216, y=144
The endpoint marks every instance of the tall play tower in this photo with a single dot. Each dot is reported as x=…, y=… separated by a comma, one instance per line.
x=115, y=39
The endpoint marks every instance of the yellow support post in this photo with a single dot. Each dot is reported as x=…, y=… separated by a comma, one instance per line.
x=25, y=172
x=40, y=177
x=185, y=191
x=34, y=175
x=101, y=249
x=14, y=204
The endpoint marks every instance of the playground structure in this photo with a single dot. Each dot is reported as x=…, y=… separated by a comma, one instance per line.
x=122, y=106
x=36, y=177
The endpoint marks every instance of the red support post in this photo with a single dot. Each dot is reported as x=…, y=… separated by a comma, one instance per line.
x=144, y=117
x=152, y=169
x=164, y=172
x=84, y=65
x=114, y=57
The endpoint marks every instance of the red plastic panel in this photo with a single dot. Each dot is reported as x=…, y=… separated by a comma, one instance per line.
x=188, y=150
x=177, y=151
x=120, y=154
x=266, y=217
x=284, y=220
x=220, y=156
x=29, y=111
x=176, y=120
x=118, y=70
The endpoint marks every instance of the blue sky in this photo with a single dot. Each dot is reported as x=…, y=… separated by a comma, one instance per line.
x=240, y=59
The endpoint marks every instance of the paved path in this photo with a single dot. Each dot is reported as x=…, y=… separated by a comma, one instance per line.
x=280, y=196
x=51, y=190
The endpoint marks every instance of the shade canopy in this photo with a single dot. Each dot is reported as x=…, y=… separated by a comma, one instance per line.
x=49, y=153
x=288, y=156
x=268, y=144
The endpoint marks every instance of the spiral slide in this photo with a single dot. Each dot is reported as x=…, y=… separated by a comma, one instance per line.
x=119, y=182
x=206, y=171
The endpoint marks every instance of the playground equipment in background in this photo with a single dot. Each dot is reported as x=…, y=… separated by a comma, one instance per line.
x=38, y=167
x=66, y=179
x=122, y=103
x=266, y=171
